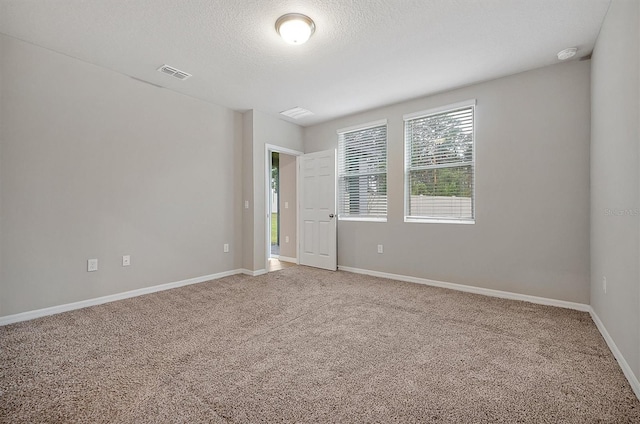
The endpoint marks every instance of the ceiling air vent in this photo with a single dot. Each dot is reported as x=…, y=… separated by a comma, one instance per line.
x=296, y=113
x=176, y=73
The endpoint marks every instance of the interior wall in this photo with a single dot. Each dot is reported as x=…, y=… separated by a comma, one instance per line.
x=247, y=191
x=531, y=234
x=95, y=164
x=3, y=110
x=287, y=211
x=615, y=180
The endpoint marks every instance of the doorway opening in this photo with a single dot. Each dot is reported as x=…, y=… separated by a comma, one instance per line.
x=274, y=206
x=281, y=204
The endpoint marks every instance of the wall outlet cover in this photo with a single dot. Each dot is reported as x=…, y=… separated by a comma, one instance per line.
x=92, y=265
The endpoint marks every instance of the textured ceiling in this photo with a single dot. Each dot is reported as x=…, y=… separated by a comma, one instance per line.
x=364, y=53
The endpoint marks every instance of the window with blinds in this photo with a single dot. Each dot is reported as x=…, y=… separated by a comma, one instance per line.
x=362, y=172
x=439, y=164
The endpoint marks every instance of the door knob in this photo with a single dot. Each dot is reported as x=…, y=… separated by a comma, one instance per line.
x=331, y=215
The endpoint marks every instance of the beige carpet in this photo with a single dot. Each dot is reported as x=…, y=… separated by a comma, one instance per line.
x=305, y=345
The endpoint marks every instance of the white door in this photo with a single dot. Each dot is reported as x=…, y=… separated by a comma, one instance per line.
x=318, y=218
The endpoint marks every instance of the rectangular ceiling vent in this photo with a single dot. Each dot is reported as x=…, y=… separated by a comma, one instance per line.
x=177, y=73
x=296, y=113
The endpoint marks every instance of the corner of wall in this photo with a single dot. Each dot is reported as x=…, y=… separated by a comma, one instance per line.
x=246, y=202
x=238, y=179
x=615, y=180
x=2, y=135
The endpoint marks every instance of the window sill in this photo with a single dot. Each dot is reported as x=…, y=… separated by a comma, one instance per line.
x=439, y=221
x=362, y=219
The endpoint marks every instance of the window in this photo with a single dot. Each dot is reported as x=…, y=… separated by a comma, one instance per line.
x=439, y=164
x=362, y=172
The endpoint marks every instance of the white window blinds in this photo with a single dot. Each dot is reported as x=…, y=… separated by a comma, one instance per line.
x=362, y=172
x=439, y=176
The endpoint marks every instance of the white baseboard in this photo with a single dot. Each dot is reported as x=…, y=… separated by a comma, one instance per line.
x=253, y=273
x=38, y=313
x=288, y=259
x=626, y=369
x=471, y=289
x=624, y=365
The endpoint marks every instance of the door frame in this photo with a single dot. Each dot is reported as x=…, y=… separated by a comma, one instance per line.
x=268, y=149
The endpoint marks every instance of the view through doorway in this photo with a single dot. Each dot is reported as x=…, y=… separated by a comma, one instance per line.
x=275, y=205
x=281, y=201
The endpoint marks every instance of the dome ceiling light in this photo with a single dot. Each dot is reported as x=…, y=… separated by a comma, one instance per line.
x=295, y=28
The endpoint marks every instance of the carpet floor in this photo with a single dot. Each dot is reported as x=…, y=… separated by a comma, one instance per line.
x=306, y=345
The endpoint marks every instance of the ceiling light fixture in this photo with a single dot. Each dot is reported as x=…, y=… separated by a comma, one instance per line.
x=295, y=28
x=567, y=53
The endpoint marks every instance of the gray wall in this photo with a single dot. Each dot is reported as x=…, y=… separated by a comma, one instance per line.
x=261, y=129
x=94, y=164
x=615, y=181
x=288, y=216
x=3, y=110
x=247, y=191
x=531, y=234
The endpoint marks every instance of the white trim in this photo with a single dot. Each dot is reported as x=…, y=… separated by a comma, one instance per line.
x=624, y=365
x=438, y=221
x=268, y=149
x=361, y=218
x=253, y=273
x=38, y=313
x=298, y=210
x=433, y=111
x=472, y=289
x=287, y=259
x=626, y=369
x=366, y=126
x=284, y=150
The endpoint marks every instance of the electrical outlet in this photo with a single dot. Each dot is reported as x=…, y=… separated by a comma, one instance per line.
x=380, y=249
x=604, y=284
x=246, y=204
x=126, y=260
x=286, y=239
x=92, y=265
x=225, y=248
x=286, y=205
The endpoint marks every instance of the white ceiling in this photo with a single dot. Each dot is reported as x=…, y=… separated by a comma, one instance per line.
x=364, y=53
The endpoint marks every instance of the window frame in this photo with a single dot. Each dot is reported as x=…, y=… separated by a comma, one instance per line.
x=407, y=190
x=355, y=128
